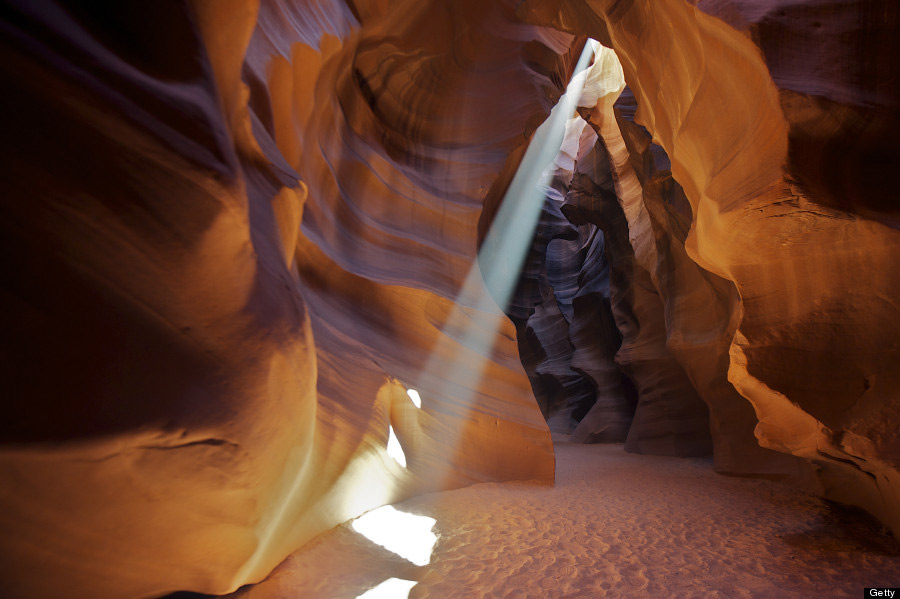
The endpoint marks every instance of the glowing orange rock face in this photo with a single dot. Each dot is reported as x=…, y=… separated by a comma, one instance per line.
x=812, y=260
x=196, y=386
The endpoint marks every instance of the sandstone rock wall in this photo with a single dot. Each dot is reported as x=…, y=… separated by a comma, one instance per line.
x=195, y=384
x=753, y=140
x=236, y=232
x=670, y=419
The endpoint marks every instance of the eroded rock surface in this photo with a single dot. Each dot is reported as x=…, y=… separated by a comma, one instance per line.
x=236, y=232
x=195, y=385
x=812, y=261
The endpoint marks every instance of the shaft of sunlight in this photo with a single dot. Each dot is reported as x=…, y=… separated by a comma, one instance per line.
x=509, y=239
x=456, y=367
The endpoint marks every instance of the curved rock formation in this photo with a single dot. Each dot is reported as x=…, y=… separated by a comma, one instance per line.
x=235, y=234
x=567, y=336
x=542, y=312
x=670, y=419
x=197, y=387
x=596, y=340
x=815, y=346
x=700, y=322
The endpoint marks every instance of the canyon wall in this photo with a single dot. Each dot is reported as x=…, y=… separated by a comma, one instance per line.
x=196, y=385
x=769, y=115
x=237, y=232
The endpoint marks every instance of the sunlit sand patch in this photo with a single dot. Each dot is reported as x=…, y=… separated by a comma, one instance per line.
x=614, y=525
x=407, y=535
x=392, y=588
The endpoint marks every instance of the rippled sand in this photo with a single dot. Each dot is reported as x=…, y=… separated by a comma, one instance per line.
x=615, y=525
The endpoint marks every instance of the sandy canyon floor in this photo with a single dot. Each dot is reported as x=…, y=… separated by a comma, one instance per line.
x=615, y=525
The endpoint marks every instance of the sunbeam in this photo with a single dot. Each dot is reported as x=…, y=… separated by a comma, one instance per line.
x=476, y=318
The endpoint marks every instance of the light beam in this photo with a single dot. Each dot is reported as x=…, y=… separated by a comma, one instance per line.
x=451, y=372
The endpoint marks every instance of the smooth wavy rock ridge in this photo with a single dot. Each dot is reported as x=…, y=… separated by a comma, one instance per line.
x=237, y=236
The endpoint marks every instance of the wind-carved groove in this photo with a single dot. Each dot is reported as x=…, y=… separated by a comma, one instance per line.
x=212, y=442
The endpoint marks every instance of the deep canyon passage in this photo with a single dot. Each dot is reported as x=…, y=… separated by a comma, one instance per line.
x=600, y=295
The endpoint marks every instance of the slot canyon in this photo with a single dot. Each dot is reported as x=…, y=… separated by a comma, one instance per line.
x=449, y=298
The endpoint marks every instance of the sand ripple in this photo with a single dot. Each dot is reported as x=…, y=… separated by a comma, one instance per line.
x=615, y=525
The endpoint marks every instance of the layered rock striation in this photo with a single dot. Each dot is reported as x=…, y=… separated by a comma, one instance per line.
x=797, y=268
x=197, y=384
x=236, y=233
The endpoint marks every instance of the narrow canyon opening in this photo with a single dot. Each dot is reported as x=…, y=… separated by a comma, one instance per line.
x=495, y=298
